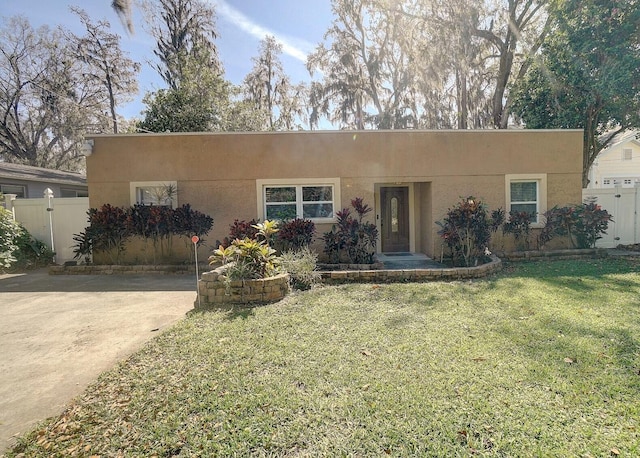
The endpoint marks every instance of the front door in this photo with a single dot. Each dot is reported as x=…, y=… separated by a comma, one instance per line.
x=395, y=219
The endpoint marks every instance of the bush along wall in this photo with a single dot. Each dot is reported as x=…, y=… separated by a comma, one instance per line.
x=110, y=228
x=468, y=227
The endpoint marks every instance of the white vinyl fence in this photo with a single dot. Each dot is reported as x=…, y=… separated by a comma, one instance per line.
x=623, y=205
x=68, y=216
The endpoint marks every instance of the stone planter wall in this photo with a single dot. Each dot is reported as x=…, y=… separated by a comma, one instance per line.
x=110, y=269
x=541, y=255
x=215, y=290
x=386, y=276
x=374, y=266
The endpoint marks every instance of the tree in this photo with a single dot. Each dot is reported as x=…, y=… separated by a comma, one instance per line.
x=47, y=103
x=366, y=77
x=123, y=10
x=517, y=34
x=194, y=106
x=185, y=32
x=106, y=64
x=588, y=75
x=269, y=89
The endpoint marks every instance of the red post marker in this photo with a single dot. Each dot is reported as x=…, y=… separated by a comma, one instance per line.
x=195, y=239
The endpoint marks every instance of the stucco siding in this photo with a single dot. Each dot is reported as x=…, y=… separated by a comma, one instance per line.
x=217, y=173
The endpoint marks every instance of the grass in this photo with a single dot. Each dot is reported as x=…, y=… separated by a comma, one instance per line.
x=541, y=360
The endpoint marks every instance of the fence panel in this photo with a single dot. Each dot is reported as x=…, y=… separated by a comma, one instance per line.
x=69, y=216
x=622, y=204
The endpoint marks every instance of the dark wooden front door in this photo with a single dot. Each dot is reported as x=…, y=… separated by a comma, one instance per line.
x=395, y=219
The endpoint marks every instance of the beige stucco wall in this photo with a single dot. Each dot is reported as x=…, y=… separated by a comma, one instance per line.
x=216, y=173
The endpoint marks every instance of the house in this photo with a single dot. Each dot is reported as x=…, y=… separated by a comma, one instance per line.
x=618, y=165
x=410, y=178
x=30, y=182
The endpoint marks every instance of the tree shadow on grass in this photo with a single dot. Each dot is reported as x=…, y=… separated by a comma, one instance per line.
x=231, y=311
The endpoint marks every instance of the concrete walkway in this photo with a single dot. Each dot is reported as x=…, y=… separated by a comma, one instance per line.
x=58, y=333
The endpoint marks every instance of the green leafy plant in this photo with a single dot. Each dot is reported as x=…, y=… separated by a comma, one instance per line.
x=352, y=238
x=9, y=232
x=466, y=230
x=266, y=230
x=301, y=264
x=247, y=259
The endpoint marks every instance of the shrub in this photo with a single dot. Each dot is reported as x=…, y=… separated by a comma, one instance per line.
x=110, y=228
x=466, y=230
x=17, y=247
x=9, y=233
x=582, y=224
x=247, y=259
x=519, y=225
x=352, y=238
x=240, y=229
x=295, y=234
x=301, y=264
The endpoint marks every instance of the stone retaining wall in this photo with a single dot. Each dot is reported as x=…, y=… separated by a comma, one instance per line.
x=111, y=269
x=214, y=289
x=385, y=276
x=541, y=255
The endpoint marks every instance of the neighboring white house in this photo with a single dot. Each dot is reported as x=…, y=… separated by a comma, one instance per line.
x=618, y=165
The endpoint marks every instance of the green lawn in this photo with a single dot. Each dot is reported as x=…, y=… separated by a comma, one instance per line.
x=540, y=360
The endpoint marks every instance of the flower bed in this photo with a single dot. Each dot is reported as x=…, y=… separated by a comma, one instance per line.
x=215, y=289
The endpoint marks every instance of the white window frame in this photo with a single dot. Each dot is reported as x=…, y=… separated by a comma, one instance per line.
x=75, y=192
x=541, y=204
x=299, y=183
x=135, y=186
x=5, y=186
x=627, y=154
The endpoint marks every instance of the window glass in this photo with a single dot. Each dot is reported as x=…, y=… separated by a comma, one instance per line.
x=299, y=201
x=524, y=191
x=18, y=190
x=154, y=195
x=317, y=193
x=283, y=194
x=524, y=198
x=281, y=211
x=317, y=210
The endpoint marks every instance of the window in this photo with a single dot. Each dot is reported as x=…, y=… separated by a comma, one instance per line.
x=606, y=182
x=627, y=154
x=527, y=193
x=18, y=190
x=289, y=199
x=627, y=182
x=154, y=193
x=64, y=192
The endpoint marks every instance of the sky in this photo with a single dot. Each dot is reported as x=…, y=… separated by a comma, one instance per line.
x=298, y=26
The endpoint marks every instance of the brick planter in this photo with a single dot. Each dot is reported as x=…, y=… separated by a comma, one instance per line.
x=215, y=290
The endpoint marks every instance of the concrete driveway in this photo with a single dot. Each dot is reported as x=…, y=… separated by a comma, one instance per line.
x=58, y=333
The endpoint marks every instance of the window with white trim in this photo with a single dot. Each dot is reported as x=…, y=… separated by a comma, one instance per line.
x=290, y=199
x=67, y=192
x=163, y=193
x=627, y=154
x=18, y=190
x=527, y=193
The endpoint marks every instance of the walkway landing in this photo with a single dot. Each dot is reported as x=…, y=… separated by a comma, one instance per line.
x=406, y=261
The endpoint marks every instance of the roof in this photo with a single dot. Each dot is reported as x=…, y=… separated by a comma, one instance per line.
x=624, y=137
x=39, y=174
